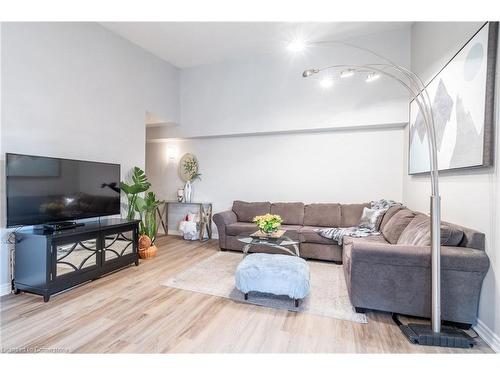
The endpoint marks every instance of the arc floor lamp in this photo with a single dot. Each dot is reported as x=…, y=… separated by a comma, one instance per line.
x=421, y=334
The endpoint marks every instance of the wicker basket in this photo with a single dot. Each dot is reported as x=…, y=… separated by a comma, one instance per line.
x=146, y=249
x=148, y=253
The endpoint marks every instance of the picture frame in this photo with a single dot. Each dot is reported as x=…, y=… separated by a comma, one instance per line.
x=462, y=94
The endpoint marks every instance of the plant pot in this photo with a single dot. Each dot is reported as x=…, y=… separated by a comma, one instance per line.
x=148, y=253
x=146, y=248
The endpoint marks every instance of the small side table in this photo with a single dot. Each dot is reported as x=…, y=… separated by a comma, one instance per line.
x=204, y=210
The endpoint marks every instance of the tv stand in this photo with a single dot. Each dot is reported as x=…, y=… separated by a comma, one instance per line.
x=48, y=262
x=61, y=225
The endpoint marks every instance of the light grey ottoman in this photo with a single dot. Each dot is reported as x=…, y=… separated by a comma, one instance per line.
x=273, y=273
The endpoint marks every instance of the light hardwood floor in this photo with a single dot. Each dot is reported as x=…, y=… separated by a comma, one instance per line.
x=129, y=311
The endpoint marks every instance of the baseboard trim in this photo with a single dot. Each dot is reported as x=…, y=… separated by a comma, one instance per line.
x=175, y=232
x=489, y=337
x=5, y=289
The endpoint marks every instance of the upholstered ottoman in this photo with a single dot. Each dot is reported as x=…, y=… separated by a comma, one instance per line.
x=273, y=273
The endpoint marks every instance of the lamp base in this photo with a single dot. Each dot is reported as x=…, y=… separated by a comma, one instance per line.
x=422, y=334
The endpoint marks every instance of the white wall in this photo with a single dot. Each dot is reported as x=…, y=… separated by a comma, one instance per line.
x=267, y=92
x=76, y=90
x=339, y=166
x=469, y=197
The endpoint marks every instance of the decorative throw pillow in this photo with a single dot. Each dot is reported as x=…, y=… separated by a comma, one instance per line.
x=390, y=213
x=418, y=233
x=397, y=224
x=370, y=219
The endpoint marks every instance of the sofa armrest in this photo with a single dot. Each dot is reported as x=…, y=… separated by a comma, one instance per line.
x=221, y=219
x=452, y=257
x=225, y=217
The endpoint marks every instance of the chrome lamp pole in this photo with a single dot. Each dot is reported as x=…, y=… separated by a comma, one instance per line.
x=417, y=333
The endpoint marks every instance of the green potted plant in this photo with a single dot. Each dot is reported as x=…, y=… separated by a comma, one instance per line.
x=139, y=184
x=146, y=207
x=268, y=224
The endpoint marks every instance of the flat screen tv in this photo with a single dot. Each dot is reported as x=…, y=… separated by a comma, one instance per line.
x=46, y=190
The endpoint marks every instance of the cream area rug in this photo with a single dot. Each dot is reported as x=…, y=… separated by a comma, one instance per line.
x=215, y=276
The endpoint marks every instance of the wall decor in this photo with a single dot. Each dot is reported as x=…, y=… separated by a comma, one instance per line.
x=188, y=171
x=462, y=96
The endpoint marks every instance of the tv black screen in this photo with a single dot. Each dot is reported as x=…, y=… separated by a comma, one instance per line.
x=44, y=189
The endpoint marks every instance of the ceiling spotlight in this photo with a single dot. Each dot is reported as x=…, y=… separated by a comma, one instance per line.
x=296, y=45
x=372, y=77
x=326, y=82
x=347, y=73
x=309, y=72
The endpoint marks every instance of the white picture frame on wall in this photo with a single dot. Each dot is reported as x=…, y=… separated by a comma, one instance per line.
x=462, y=97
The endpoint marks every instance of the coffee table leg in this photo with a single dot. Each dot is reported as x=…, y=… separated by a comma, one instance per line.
x=246, y=248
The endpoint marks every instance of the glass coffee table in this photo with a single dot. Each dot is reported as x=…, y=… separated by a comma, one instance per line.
x=283, y=243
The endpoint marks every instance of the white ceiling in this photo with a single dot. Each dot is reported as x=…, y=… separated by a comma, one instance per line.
x=186, y=44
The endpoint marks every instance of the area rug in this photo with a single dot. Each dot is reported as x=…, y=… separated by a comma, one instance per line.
x=215, y=276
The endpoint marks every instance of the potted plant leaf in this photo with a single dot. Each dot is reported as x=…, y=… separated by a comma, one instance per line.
x=139, y=185
x=146, y=207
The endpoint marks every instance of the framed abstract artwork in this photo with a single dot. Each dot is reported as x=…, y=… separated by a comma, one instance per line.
x=462, y=97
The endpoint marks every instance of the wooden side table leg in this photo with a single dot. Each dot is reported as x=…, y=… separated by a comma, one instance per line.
x=166, y=218
x=201, y=212
x=209, y=224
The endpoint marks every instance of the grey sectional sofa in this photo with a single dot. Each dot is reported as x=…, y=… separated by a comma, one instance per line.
x=388, y=272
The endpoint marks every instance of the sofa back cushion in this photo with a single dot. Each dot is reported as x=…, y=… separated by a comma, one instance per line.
x=397, y=224
x=418, y=233
x=322, y=214
x=351, y=214
x=472, y=238
x=291, y=213
x=246, y=211
x=390, y=213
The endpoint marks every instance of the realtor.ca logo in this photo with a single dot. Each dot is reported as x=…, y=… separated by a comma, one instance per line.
x=34, y=349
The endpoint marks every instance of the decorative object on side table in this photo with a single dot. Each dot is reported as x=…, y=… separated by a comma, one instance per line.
x=180, y=195
x=268, y=224
x=188, y=170
x=148, y=227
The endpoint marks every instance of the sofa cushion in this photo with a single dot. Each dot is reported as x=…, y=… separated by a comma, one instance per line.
x=371, y=218
x=239, y=227
x=331, y=252
x=418, y=233
x=351, y=213
x=308, y=234
x=390, y=213
x=246, y=211
x=397, y=224
x=373, y=239
x=322, y=214
x=291, y=213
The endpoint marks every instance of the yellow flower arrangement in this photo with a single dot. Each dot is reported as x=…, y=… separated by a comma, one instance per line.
x=268, y=223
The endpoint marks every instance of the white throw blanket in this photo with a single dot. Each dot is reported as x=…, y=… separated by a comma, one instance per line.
x=337, y=234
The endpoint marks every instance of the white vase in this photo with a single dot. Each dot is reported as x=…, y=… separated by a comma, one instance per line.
x=188, y=192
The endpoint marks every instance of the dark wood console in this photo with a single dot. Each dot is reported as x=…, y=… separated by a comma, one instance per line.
x=46, y=263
